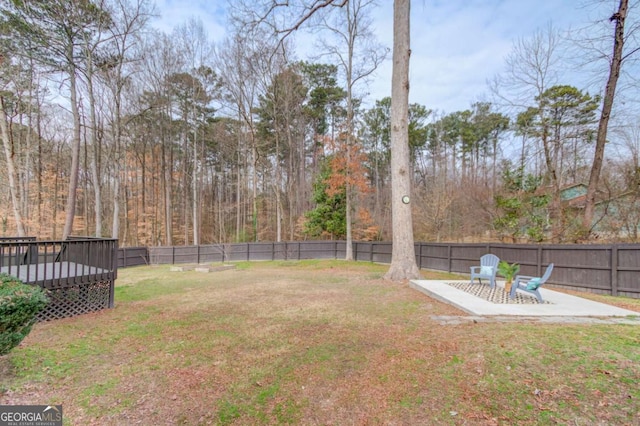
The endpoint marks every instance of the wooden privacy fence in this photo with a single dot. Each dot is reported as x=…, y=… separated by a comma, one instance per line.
x=132, y=256
x=78, y=273
x=607, y=269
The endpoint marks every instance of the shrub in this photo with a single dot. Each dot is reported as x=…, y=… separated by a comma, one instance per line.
x=19, y=304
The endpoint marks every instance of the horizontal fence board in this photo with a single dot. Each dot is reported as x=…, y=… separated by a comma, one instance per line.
x=629, y=281
x=524, y=256
x=593, y=258
x=437, y=264
x=133, y=256
x=260, y=251
x=211, y=253
x=185, y=254
x=629, y=258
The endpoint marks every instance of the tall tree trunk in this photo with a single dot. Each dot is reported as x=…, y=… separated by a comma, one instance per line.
x=348, y=195
x=556, y=212
x=95, y=154
x=167, y=165
x=238, y=193
x=403, y=258
x=185, y=185
x=194, y=183
x=277, y=182
x=11, y=170
x=40, y=168
x=115, y=223
x=254, y=186
x=348, y=219
x=494, y=164
x=300, y=196
x=115, y=220
x=605, y=114
x=28, y=142
x=75, y=153
x=350, y=130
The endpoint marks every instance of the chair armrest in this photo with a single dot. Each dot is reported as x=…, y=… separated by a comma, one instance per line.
x=519, y=278
x=528, y=277
x=475, y=268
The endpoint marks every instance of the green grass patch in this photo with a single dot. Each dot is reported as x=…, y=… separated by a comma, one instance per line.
x=315, y=342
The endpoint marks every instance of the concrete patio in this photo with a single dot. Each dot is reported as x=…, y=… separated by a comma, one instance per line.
x=560, y=304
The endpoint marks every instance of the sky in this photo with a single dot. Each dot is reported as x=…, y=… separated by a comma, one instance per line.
x=456, y=45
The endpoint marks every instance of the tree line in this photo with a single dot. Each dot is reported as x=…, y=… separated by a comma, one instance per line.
x=113, y=128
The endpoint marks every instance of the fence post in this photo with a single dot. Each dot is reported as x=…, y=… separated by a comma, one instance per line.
x=614, y=270
x=449, y=250
x=539, y=265
x=112, y=292
x=114, y=268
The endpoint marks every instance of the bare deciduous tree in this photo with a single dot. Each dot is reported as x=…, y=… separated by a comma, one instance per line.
x=358, y=55
x=50, y=32
x=11, y=169
x=128, y=21
x=615, y=64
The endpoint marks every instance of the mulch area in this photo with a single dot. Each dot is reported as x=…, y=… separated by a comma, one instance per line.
x=496, y=294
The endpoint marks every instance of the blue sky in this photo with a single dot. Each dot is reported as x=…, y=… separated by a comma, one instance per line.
x=457, y=45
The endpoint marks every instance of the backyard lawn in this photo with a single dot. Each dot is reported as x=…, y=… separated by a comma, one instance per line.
x=316, y=343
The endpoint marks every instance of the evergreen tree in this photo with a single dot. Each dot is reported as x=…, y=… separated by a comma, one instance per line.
x=328, y=218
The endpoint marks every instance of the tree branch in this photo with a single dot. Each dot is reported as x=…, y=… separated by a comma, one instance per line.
x=316, y=6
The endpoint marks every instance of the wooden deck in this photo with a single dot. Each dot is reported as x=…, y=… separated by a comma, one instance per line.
x=52, y=271
x=78, y=273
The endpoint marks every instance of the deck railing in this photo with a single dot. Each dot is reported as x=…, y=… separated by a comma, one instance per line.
x=78, y=273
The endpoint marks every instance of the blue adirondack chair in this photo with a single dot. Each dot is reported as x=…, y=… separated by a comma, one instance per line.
x=487, y=269
x=530, y=284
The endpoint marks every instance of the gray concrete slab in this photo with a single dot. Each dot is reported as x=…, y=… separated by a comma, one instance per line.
x=561, y=304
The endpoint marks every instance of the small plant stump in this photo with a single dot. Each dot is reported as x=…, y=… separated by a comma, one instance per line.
x=201, y=268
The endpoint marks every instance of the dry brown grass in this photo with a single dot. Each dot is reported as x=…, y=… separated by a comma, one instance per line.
x=319, y=342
